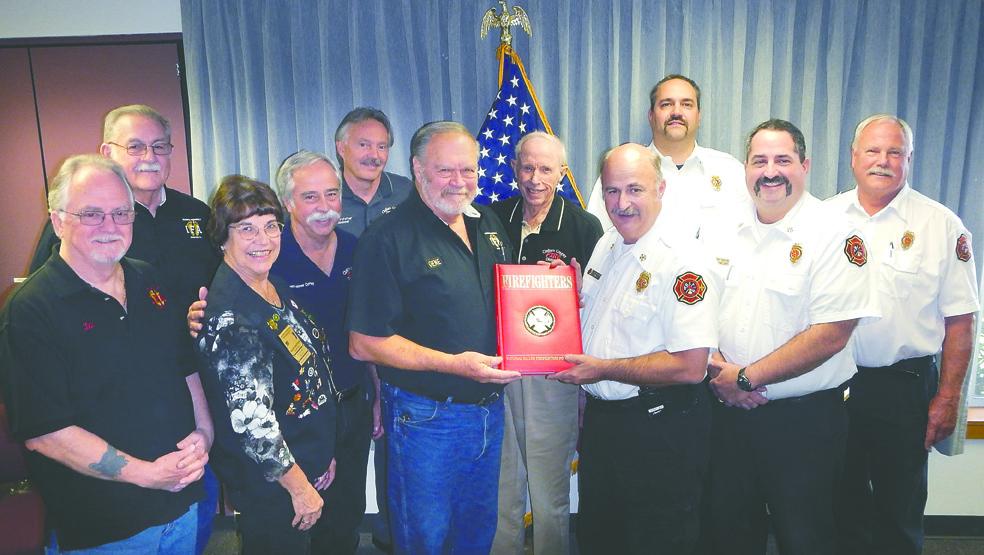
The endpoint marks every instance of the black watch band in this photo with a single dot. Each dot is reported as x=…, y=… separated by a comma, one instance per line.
x=743, y=383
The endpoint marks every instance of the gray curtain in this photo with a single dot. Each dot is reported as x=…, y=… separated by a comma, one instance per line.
x=267, y=78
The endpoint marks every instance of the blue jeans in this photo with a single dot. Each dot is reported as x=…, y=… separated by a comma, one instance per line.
x=178, y=536
x=443, y=473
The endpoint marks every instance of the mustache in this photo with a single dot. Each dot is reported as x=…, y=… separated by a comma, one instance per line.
x=886, y=172
x=671, y=119
x=372, y=161
x=107, y=237
x=773, y=181
x=630, y=211
x=323, y=216
x=147, y=167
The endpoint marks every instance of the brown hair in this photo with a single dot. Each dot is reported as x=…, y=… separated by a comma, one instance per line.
x=237, y=198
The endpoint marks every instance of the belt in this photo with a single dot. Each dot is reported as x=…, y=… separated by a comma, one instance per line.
x=349, y=393
x=909, y=368
x=483, y=402
x=673, y=398
x=835, y=393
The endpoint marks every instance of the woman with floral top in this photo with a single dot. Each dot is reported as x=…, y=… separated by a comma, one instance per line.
x=264, y=366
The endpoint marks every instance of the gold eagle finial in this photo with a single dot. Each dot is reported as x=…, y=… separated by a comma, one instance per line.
x=504, y=21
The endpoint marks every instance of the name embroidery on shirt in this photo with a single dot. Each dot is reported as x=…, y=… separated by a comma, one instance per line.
x=433, y=262
x=855, y=251
x=689, y=288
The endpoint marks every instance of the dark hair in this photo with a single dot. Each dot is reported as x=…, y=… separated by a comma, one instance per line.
x=672, y=76
x=237, y=198
x=775, y=124
x=361, y=114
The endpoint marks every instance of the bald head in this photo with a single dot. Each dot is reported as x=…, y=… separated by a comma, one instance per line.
x=632, y=187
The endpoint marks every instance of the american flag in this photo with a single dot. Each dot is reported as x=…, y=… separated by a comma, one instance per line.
x=514, y=113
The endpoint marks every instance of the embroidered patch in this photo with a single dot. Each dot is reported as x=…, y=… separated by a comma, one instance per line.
x=433, y=262
x=155, y=295
x=689, y=288
x=193, y=229
x=795, y=253
x=963, y=248
x=643, y=281
x=907, y=238
x=855, y=251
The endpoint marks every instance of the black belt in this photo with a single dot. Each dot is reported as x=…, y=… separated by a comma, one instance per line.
x=349, y=393
x=672, y=398
x=835, y=393
x=909, y=368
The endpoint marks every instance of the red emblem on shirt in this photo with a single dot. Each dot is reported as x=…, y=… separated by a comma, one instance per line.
x=155, y=295
x=963, y=248
x=689, y=288
x=855, y=251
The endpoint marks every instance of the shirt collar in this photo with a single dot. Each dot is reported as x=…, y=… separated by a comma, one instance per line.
x=553, y=219
x=385, y=189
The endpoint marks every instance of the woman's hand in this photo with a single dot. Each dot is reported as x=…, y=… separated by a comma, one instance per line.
x=306, y=500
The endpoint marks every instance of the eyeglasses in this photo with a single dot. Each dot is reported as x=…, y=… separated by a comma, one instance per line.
x=138, y=149
x=466, y=173
x=96, y=217
x=249, y=231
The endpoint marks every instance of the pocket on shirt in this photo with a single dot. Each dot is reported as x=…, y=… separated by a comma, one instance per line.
x=788, y=297
x=634, y=313
x=897, y=275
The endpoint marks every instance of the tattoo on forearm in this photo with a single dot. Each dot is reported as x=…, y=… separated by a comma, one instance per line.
x=111, y=464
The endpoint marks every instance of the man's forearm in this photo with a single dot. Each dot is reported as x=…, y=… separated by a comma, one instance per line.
x=659, y=369
x=88, y=454
x=958, y=345
x=398, y=352
x=804, y=352
x=203, y=418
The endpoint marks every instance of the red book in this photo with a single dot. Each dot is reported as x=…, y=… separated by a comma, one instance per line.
x=537, y=317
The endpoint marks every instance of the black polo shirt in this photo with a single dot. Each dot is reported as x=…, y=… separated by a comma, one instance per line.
x=71, y=356
x=357, y=214
x=414, y=277
x=567, y=232
x=174, y=241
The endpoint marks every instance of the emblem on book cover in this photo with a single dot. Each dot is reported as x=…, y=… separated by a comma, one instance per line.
x=539, y=320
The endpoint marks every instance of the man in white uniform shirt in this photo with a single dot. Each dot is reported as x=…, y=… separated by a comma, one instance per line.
x=796, y=285
x=900, y=404
x=698, y=179
x=648, y=323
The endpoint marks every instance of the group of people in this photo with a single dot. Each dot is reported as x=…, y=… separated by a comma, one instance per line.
x=754, y=357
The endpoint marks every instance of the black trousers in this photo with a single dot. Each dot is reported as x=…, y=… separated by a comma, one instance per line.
x=883, y=495
x=336, y=532
x=778, y=462
x=640, y=472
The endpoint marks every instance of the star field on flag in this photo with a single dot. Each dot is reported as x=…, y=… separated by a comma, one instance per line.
x=514, y=113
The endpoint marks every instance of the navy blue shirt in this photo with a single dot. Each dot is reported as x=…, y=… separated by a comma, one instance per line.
x=324, y=297
x=414, y=277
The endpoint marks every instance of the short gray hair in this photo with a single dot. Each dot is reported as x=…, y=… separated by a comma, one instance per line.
x=561, y=149
x=361, y=114
x=906, y=130
x=297, y=161
x=651, y=156
x=109, y=123
x=423, y=136
x=58, y=192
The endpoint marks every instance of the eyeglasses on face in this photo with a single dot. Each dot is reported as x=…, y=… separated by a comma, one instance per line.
x=250, y=231
x=138, y=149
x=96, y=217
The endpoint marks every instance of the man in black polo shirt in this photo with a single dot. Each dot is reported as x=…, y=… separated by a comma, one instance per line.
x=541, y=415
x=362, y=144
x=422, y=307
x=169, y=232
x=95, y=373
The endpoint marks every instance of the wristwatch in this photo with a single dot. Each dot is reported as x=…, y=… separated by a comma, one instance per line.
x=743, y=383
